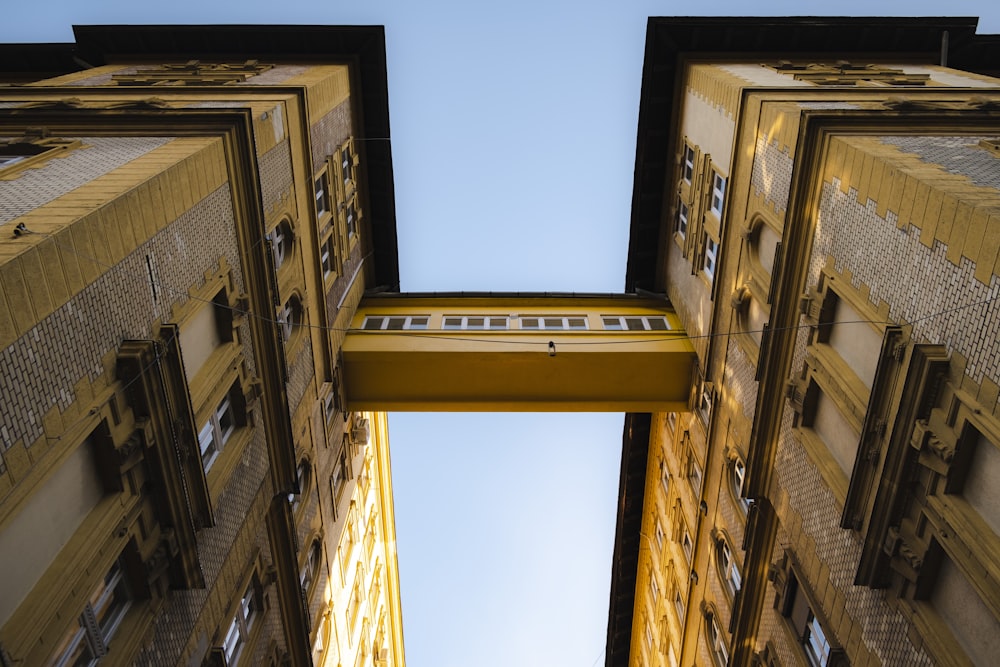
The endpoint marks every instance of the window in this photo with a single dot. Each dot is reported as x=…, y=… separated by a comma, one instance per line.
x=728, y=568
x=475, y=322
x=716, y=641
x=654, y=588
x=738, y=472
x=290, y=317
x=302, y=475
x=238, y=633
x=678, y=603
x=346, y=164
x=571, y=323
x=813, y=636
x=31, y=152
x=635, y=323
x=328, y=256
x=664, y=478
x=711, y=254
x=395, y=322
x=694, y=475
x=672, y=421
x=322, y=195
x=705, y=401
x=688, y=169
x=816, y=643
x=682, y=219
x=311, y=567
x=686, y=544
x=648, y=634
x=351, y=217
x=718, y=194
x=216, y=432
x=659, y=534
x=281, y=238
x=339, y=477
x=88, y=641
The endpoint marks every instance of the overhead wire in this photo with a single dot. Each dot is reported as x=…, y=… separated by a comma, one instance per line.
x=676, y=335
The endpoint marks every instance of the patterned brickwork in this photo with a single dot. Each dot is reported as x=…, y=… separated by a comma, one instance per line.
x=117, y=306
x=56, y=177
x=759, y=75
x=771, y=623
x=104, y=78
x=740, y=382
x=300, y=374
x=276, y=75
x=772, y=173
x=945, y=304
x=330, y=132
x=958, y=155
x=917, y=283
x=226, y=551
x=837, y=551
x=275, y=175
x=690, y=298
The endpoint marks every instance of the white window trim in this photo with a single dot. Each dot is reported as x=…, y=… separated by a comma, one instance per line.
x=622, y=322
x=470, y=323
x=683, y=212
x=711, y=256
x=96, y=636
x=687, y=164
x=238, y=633
x=553, y=322
x=410, y=322
x=321, y=192
x=213, y=436
x=718, y=194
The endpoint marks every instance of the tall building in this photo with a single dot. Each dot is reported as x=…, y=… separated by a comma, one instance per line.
x=201, y=325
x=189, y=219
x=819, y=200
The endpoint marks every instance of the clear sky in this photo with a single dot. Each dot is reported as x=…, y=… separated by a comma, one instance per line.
x=513, y=140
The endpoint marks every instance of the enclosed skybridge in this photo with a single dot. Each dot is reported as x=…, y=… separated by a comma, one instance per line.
x=516, y=352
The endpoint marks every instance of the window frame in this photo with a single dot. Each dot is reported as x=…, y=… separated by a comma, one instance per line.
x=466, y=322
x=717, y=198
x=91, y=633
x=710, y=256
x=322, y=201
x=409, y=322
x=688, y=158
x=239, y=633
x=682, y=219
x=608, y=323
x=543, y=322
x=220, y=433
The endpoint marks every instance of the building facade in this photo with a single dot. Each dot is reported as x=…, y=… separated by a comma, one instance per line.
x=190, y=218
x=819, y=200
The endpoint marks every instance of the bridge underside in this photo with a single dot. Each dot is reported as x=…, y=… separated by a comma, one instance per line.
x=527, y=378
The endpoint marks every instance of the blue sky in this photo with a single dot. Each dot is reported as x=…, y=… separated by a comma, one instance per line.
x=513, y=138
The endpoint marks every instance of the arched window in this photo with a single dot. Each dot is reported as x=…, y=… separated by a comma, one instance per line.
x=717, y=644
x=290, y=317
x=282, y=239
x=729, y=569
x=737, y=479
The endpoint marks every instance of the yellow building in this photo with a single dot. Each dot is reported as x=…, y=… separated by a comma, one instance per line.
x=190, y=218
x=819, y=200
x=201, y=326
